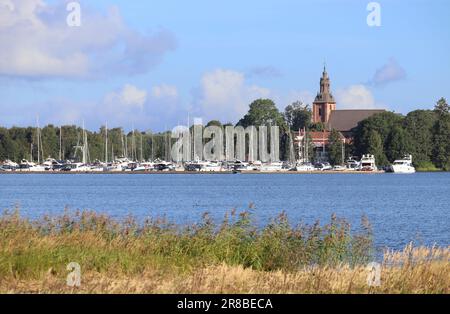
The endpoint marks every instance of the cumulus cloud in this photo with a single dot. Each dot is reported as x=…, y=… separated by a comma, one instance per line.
x=157, y=108
x=129, y=97
x=41, y=44
x=389, y=72
x=355, y=97
x=224, y=95
x=164, y=91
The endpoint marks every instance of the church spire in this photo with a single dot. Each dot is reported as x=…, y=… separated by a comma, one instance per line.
x=325, y=91
x=324, y=103
x=324, y=73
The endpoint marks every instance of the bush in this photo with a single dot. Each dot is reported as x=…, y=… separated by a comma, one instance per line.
x=426, y=166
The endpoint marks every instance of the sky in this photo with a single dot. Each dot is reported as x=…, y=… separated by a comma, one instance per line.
x=153, y=65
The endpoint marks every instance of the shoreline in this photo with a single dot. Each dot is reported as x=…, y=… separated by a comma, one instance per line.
x=190, y=172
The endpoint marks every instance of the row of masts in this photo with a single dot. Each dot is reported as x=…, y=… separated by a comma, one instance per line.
x=84, y=147
x=303, y=146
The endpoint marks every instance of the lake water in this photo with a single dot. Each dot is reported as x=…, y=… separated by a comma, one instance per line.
x=401, y=208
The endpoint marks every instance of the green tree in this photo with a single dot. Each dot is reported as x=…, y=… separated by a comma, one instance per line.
x=441, y=151
x=375, y=147
x=398, y=144
x=263, y=112
x=335, y=148
x=381, y=123
x=297, y=116
x=442, y=106
x=317, y=127
x=419, y=124
x=214, y=123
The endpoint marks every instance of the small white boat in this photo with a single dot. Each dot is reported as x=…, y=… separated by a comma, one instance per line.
x=272, y=167
x=211, y=166
x=403, y=165
x=78, y=167
x=352, y=164
x=339, y=168
x=367, y=163
x=26, y=166
x=304, y=167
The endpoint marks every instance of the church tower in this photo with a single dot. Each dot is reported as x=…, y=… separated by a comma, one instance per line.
x=324, y=102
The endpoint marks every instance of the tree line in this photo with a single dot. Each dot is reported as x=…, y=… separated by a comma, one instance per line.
x=18, y=143
x=423, y=133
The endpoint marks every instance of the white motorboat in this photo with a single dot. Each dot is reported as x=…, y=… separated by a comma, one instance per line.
x=272, y=167
x=211, y=166
x=339, y=168
x=9, y=166
x=26, y=166
x=304, y=167
x=77, y=167
x=367, y=163
x=352, y=164
x=403, y=165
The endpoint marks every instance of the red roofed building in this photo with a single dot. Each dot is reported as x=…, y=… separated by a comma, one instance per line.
x=324, y=111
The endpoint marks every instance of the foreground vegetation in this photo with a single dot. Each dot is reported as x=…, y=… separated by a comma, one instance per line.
x=235, y=256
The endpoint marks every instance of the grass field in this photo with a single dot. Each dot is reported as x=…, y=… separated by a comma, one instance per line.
x=235, y=256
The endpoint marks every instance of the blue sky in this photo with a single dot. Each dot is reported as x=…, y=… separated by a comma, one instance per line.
x=150, y=64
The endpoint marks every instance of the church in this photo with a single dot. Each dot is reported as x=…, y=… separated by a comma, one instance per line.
x=324, y=111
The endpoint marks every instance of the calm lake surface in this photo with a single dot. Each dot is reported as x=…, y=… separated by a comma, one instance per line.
x=401, y=208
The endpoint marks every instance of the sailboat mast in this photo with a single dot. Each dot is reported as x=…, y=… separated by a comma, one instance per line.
x=306, y=146
x=60, y=154
x=126, y=146
x=37, y=138
x=85, y=146
x=38, y=133
x=133, y=146
x=153, y=157
x=106, y=142
x=142, y=153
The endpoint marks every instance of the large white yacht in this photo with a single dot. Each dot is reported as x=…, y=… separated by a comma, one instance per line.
x=403, y=165
x=367, y=163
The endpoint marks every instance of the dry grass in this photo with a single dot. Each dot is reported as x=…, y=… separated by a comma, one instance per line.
x=158, y=257
x=423, y=276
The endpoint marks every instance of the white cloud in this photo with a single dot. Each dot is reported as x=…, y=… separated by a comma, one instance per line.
x=224, y=95
x=164, y=91
x=128, y=97
x=390, y=72
x=355, y=97
x=40, y=43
